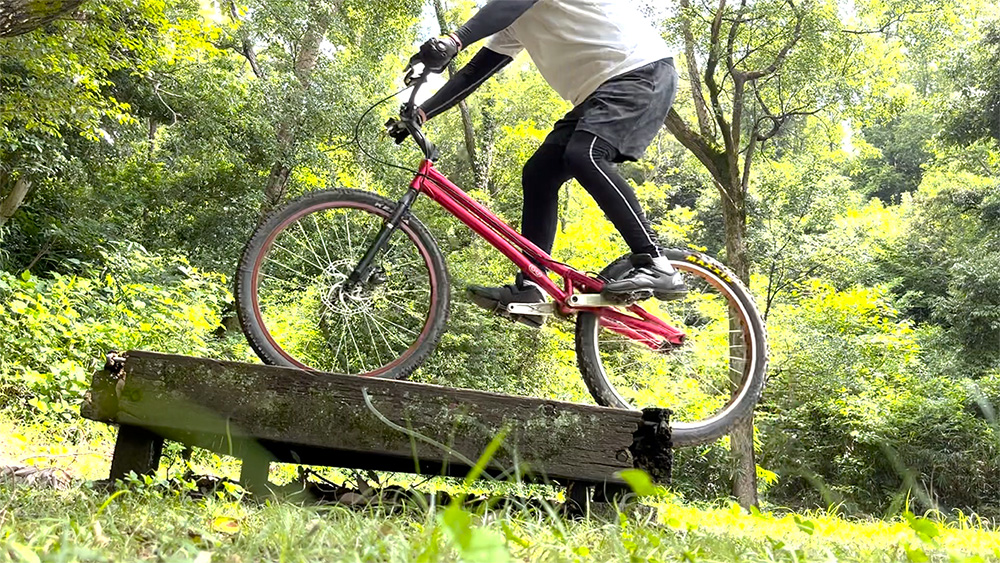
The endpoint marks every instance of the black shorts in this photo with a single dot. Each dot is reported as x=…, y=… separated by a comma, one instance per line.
x=626, y=111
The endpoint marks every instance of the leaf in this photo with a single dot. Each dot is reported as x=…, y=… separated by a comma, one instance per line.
x=916, y=555
x=513, y=537
x=458, y=523
x=226, y=525
x=807, y=526
x=485, y=546
x=475, y=544
x=23, y=552
x=639, y=481
x=926, y=530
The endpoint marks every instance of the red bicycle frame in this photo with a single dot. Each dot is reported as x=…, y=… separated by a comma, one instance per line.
x=639, y=325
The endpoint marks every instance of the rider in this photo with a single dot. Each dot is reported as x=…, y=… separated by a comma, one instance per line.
x=604, y=57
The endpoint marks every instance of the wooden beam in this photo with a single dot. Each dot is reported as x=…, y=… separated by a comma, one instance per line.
x=346, y=421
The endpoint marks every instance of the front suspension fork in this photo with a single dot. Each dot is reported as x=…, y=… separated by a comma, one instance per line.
x=362, y=273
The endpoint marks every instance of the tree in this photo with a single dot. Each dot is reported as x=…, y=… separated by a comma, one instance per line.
x=467, y=129
x=304, y=55
x=54, y=89
x=766, y=65
x=976, y=113
x=18, y=17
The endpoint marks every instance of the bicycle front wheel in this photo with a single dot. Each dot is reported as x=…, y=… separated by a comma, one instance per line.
x=711, y=382
x=298, y=309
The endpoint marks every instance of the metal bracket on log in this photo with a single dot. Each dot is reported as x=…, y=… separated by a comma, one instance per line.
x=652, y=447
x=261, y=413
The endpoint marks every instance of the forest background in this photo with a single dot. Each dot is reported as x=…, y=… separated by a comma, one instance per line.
x=142, y=140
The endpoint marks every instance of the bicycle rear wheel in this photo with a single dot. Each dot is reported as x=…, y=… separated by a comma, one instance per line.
x=711, y=382
x=297, y=308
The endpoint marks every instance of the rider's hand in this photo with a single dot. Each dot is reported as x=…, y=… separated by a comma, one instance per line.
x=436, y=53
x=395, y=129
x=398, y=131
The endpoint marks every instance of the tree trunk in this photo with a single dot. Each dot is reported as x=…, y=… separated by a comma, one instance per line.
x=274, y=190
x=14, y=199
x=744, y=465
x=18, y=17
x=304, y=64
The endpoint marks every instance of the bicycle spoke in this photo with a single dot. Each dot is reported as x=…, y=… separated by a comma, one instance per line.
x=359, y=327
x=318, y=267
x=322, y=239
x=371, y=336
x=693, y=380
x=356, y=349
x=306, y=244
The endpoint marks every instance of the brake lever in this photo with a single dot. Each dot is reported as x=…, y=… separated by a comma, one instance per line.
x=413, y=73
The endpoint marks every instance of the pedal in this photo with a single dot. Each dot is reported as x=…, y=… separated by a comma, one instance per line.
x=548, y=308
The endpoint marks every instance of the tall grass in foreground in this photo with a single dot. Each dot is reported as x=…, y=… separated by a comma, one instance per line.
x=147, y=523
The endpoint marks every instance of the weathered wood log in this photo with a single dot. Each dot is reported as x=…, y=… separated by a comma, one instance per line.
x=345, y=421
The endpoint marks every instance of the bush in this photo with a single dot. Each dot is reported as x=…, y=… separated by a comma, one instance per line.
x=858, y=414
x=57, y=330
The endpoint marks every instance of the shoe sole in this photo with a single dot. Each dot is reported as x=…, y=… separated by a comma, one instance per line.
x=628, y=297
x=493, y=306
x=670, y=296
x=632, y=297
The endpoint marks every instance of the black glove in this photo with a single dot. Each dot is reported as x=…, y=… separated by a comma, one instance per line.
x=436, y=53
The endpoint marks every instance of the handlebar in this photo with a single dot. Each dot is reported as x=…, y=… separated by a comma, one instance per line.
x=409, y=113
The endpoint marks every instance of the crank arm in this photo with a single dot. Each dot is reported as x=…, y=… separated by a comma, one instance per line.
x=596, y=300
x=532, y=308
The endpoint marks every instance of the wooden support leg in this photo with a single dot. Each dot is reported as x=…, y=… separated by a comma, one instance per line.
x=610, y=493
x=578, y=499
x=254, y=469
x=136, y=449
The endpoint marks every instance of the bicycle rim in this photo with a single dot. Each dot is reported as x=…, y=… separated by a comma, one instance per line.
x=314, y=318
x=710, y=382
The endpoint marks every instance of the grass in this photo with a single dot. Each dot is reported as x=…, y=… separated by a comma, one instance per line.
x=144, y=521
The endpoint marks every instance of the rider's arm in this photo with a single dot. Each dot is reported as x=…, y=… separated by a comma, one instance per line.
x=483, y=65
x=495, y=16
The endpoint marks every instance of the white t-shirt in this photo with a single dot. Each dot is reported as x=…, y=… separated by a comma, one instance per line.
x=577, y=45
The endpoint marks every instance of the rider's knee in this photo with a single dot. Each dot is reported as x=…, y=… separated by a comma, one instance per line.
x=585, y=152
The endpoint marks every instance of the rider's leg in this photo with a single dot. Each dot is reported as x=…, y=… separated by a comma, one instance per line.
x=590, y=159
x=543, y=175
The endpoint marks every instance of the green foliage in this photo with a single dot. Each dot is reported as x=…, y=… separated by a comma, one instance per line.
x=854, y=416
x=945, y=269
x=57, y=330
x=145, y=123
x=54, y=82
x=975, y=114
x=85, y=524
x=895, y=166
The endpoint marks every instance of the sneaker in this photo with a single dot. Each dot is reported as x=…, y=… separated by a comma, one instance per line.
x=649, y=277
x=496, y=299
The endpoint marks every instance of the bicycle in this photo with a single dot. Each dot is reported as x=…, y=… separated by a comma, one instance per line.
x=347, y=281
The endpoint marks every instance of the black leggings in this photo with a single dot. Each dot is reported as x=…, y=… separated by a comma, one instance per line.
x=589, y=159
